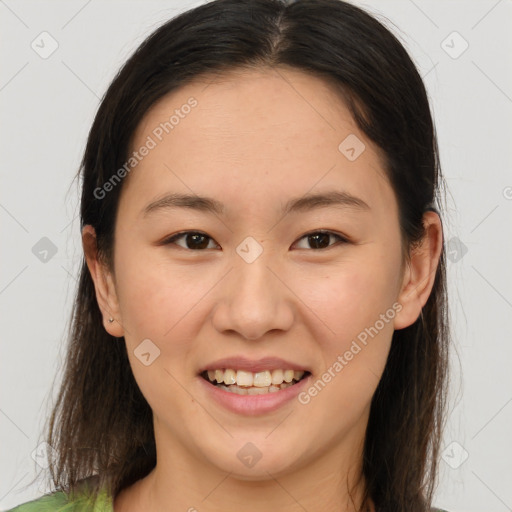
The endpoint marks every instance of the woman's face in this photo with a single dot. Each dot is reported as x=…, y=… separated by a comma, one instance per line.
x=258, y=284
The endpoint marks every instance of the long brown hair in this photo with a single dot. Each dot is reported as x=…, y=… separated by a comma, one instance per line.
x=101, y=424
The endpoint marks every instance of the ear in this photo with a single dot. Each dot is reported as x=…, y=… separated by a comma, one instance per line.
x=103, y=283
x=420, y=272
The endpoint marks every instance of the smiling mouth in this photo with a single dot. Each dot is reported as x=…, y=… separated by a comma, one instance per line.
x=247, y=383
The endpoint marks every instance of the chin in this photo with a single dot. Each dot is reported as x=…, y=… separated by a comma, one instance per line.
x=255, y=460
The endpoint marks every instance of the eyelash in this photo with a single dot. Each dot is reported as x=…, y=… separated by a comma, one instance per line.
x=177, y=236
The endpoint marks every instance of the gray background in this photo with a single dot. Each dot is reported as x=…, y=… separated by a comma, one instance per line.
x=47, y=107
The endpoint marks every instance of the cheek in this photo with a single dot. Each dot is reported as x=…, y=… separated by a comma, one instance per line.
x=159, y=302
x=155, y=298
x=165, y=302
x=352, y=295
x=356, y=303
x=144, y=290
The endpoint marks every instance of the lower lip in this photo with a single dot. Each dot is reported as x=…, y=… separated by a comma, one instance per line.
x=253, y=405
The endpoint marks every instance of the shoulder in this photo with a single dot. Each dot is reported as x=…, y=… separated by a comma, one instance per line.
x=59, y=501
x=55, y=501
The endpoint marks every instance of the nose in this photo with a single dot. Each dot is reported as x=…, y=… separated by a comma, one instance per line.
x=253, y=300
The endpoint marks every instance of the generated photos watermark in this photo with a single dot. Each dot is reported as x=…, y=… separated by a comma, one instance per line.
x=344, y=359
x=158, y=133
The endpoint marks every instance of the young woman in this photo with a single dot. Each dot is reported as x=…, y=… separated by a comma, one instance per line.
x=260, y=321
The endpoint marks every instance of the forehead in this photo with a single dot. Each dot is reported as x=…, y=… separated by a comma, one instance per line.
x=261, y=132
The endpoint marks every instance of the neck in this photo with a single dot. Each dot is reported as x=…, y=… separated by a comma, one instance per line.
x=182, y=482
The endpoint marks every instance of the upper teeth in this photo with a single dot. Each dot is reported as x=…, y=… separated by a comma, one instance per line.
x=259, y=379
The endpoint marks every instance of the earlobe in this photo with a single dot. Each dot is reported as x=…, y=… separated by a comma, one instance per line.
x=104, y=285
x=420, y=272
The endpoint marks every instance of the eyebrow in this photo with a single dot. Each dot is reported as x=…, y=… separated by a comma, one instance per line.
x=301, y=204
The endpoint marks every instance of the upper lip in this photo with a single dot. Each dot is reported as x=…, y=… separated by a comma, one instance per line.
x=253, y=365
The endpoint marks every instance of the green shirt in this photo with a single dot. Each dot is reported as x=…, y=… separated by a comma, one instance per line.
x=58, y=502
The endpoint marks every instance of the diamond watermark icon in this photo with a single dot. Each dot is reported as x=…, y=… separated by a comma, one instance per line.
x=352, y=147
x=249, y=250
x=44, y=45
x=146, y=352
x=44, y=250
x=455, y=249
x=454, y=45
x=249, y=455
x=42, y=455
x=454, y=455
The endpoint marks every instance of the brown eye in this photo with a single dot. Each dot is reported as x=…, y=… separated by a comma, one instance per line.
x=321, y=239
x=194, y=240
